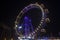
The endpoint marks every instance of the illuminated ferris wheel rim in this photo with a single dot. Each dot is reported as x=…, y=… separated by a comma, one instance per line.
x=27, y=9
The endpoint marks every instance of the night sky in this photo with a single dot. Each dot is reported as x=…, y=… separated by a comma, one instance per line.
x=11, y=8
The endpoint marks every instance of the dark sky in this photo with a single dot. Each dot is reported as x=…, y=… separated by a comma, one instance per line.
x=11, y=8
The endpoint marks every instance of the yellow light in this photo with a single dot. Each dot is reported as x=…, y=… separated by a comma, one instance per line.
x=39, y=27
x=40, y=24
x=4, y=38
x=42, y=5
x=47, y=20
x=16, y=26
x=11, y=38
x=46, y=11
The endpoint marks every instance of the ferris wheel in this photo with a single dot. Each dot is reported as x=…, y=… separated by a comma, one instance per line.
x=23, y=24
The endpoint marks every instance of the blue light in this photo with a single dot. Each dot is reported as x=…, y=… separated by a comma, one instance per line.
x=20, y=27
x=26, y=27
